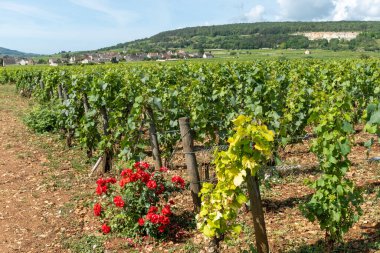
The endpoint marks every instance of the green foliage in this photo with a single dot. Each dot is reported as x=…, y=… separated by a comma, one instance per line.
x=250, y=147
x=336, y=202
x=373, y=119
x=280, y=93
x=43, y=118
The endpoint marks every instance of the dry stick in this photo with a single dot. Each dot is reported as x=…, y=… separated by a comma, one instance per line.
x=257, y=213
x=191, y=162
x=154, y=139
x=95, y=166
x=107, y=160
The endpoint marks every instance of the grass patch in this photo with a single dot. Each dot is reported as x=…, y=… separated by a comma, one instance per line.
x=86, y=244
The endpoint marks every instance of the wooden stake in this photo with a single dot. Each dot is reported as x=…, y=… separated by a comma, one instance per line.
x=257, y=213
x=191, y=162
x=154, y=140
x=107, y=158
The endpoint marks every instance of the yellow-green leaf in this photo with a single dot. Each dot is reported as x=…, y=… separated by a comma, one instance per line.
x=239, y=179
x=208, y=231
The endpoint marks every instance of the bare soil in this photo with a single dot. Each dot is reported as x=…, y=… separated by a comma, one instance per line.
x=28, y=215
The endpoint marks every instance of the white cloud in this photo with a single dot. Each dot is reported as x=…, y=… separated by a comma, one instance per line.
x=318, y=10
x=355, y=10
x=122, y=17
x=255, y=14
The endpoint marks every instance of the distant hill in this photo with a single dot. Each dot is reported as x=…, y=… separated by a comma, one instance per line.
x=260, y=35
x=14, y=53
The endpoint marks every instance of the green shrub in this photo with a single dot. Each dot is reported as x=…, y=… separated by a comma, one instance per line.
x=42, y=119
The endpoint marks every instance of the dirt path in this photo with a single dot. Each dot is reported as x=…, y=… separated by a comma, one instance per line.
x=29, y=212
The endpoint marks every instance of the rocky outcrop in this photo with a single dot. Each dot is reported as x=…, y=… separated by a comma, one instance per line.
x=329, y=35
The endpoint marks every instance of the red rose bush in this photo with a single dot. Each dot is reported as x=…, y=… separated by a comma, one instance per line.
x=137, y=203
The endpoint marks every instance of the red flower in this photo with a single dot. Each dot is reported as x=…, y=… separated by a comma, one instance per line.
x=126, y=172
x=154, y=218
x=166, y=210
x=153, y=209
x=141, y=165
x=141, y=221
x=164, y=220
x=111, y=180
x=101, y=181
x=134, y=177
x=171, y=202
x=152, y=184
x=145, y=177
x=99, y=190
x=145, y=165
x=164, y=169
x=102, y=185
x=106, y=229
x=161, y=228
x=124, y=181
x=179, y=181
x=149, y=216
x=97, y=209
x=118, y=200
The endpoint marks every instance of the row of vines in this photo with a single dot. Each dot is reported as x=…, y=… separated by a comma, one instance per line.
x=107, y=110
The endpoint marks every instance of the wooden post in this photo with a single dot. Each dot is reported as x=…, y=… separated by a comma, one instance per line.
x=42, y=85
x=257, y=213
x=60, y=92
x=65, y=93
x=154, y=140
x=191, y=162
x=86, y=105
x=107, y=158
x=51, y=93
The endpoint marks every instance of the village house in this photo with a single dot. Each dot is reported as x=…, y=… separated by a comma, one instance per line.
x=135, y=57
x=87, y=59
x=194, y=55
x=72, y=60
x=207, y=55
x=182, y=54
x=23, y=62
x=153, y=55
x=53, y=62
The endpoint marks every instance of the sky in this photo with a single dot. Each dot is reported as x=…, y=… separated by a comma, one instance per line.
x=51, y=26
